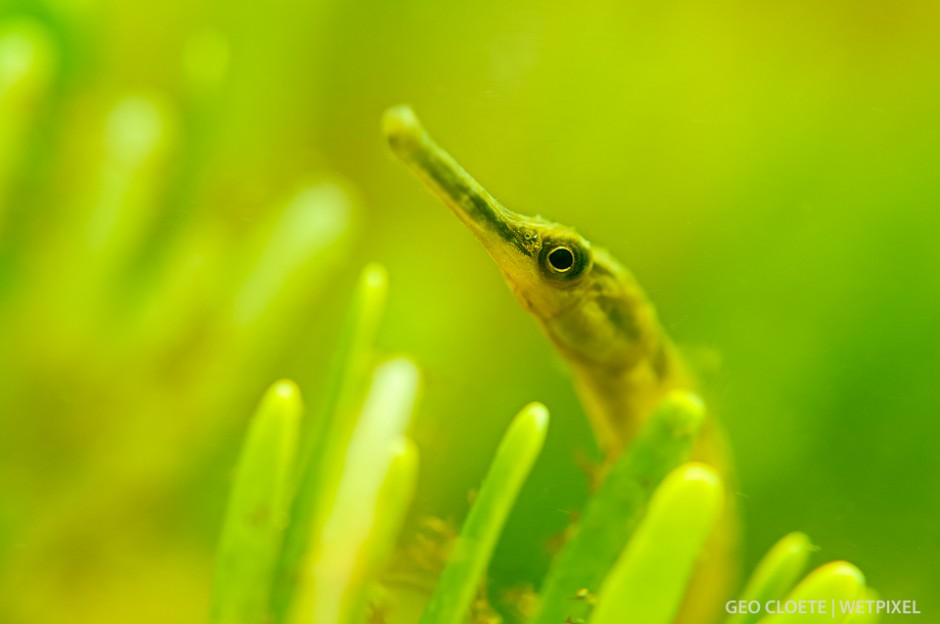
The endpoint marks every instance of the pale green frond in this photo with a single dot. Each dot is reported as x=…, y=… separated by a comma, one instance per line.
x=291, y=252
x=828, y=584
x=466, y=567
x=324, y=443
x=776, y=574
x=338, y=565
x=612, y=513
x=648, y=582
x=257, y=510
x=27, y=65
x=868, y=613
x=391, y=508
x=140, y=131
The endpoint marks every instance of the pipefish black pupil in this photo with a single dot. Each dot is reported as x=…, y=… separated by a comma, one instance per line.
x=561, y=259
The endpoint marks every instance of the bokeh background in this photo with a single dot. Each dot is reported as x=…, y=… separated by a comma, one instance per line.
x=188, y=190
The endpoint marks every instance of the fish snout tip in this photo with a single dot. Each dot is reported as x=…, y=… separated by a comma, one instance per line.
x=401, y=128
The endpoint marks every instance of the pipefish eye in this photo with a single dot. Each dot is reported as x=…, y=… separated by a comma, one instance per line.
x=561, y=259
x=564, y=260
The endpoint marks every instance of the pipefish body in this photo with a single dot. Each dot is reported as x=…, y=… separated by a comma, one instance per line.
x=595, y=314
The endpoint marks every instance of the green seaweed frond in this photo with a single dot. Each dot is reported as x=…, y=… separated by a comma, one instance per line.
x=257, y=509
x=471, y=554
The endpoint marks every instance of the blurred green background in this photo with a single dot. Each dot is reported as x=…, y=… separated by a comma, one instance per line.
x=188, y=190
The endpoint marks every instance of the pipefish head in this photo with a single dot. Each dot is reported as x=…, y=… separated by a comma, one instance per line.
x=586, y=302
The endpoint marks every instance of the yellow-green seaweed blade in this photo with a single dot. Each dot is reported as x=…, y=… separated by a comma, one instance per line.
x=869, y=614
x=27, y=64
x=775, y=575
x=648, y=581
x=612, y=513
x=257, y=510
x=391, y=507
x=830, y=583
x=339, y=564
x=138, y=140
x=473, y=549
x=323, y=447
x=293, y=251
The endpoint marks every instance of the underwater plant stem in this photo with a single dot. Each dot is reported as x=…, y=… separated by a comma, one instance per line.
x=324, y=444
x=613, y=512
x=257, y=511
x=648, y=582
x=869, y=616
x=776, y=574
x=473, y=549
x=339, y=560
x=27, y=66
x=391, y=508
x=835, y=581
